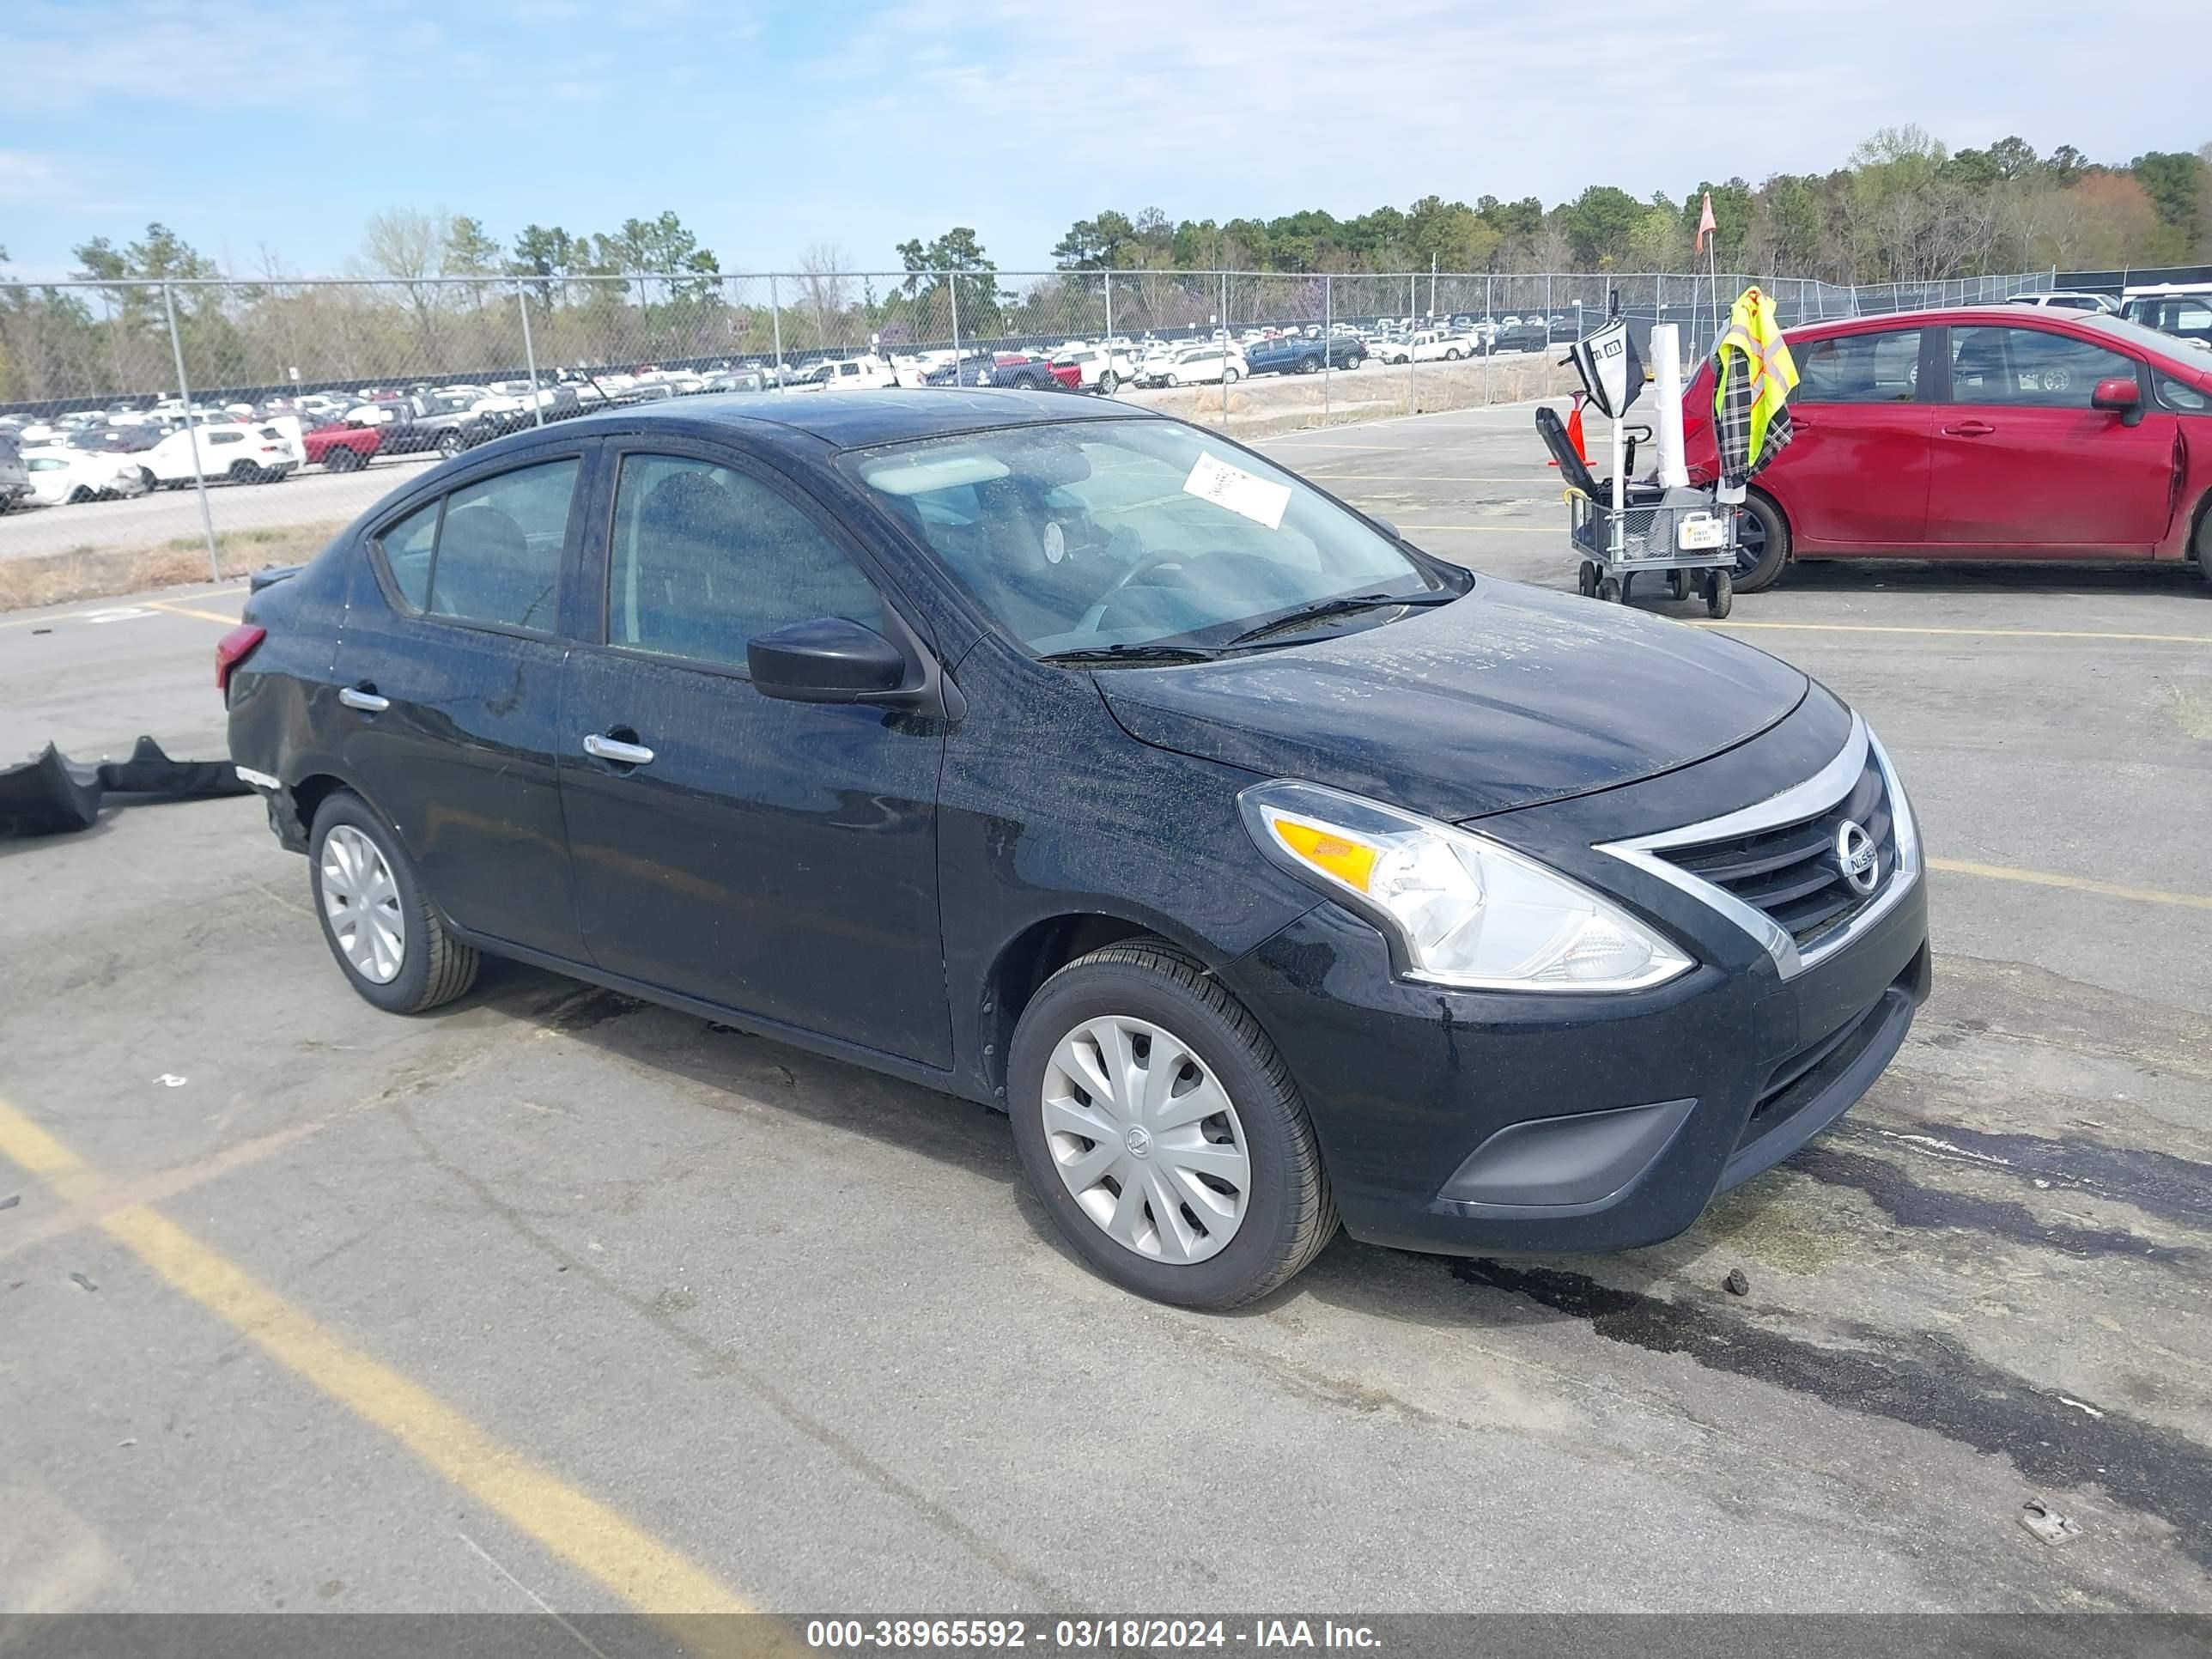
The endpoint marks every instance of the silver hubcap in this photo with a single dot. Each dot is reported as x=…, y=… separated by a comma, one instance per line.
x=362, y=902
x=1146, y=1140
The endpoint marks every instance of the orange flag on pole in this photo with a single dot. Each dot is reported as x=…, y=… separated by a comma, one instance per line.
x=1706, y=223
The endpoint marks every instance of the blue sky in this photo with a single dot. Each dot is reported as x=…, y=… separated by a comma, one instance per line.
x=283, y=125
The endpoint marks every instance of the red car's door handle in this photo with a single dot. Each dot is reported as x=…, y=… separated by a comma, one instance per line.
x=1969, y=429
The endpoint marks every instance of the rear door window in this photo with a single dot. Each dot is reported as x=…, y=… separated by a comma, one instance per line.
x=407, y=548
x=1881, y=367
x=498, y=558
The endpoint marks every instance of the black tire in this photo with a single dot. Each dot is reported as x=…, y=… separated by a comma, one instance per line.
x=1609, y=590
x=1290, y=1214
x=1452, y=355
x=1108, y=383
x=1627, y=586
x=1308, y=365
x=1586, y=579
x=1720, y=594
x=1764, y=535
x=2204, y=542
x=338, y=458
x=434, y=966
x=244, y=472
x=78, y=497
x=1230, y=376
x=1678, y=584
x=451, y=443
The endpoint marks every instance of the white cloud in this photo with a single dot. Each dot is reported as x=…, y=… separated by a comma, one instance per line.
x=26, y=177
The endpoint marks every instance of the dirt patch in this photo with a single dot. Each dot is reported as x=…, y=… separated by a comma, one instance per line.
x=100, y=573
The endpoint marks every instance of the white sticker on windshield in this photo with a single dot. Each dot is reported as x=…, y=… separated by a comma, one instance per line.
x=1225, y=485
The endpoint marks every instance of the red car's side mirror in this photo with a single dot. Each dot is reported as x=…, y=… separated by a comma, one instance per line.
x=2123, y=397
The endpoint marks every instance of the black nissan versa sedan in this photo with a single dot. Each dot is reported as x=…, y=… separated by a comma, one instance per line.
x=1264, y=869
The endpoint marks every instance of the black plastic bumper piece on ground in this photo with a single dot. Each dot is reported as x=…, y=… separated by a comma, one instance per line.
x=51, y=795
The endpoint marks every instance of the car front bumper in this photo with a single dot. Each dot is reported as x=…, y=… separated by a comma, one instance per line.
x=1477, y=1123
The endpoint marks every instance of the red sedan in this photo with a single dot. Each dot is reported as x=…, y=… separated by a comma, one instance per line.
x=1995, y=432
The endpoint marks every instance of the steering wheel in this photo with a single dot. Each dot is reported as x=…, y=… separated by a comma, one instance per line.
x=1144, y=567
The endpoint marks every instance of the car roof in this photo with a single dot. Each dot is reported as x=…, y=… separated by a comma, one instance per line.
x=854, y=419
x=2004, y=313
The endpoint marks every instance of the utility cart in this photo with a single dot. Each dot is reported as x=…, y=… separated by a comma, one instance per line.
x=1620, y=530
x=1680, y=534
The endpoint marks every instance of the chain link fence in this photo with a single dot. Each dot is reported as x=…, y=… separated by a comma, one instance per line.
x=239, y=423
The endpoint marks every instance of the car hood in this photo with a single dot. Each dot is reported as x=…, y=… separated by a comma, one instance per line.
x=1506, y=697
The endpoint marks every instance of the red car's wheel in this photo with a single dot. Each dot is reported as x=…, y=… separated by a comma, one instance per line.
x=1763, y=544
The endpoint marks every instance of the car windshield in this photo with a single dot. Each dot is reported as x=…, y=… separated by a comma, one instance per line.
x=1097, y=535
x=2174, y=348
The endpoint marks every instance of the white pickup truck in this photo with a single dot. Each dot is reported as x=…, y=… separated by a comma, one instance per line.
x=1429, y=346
x=855, y=374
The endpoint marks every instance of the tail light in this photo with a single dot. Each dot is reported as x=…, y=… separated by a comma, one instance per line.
x=234, y=649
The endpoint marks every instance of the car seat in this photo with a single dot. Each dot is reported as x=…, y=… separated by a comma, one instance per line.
x=484, y=571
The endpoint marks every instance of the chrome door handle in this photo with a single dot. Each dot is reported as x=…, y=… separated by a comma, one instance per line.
x=613, y=749
x=363, y=698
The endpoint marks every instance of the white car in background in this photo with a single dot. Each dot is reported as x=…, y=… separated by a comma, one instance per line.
x=1102, y=371
x=1207, y=365
x=60, y=475
x=241, y=452
x=2069, y=300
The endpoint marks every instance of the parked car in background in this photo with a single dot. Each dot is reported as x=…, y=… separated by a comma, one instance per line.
x=446, y=422
x=59, y=475
x=14, y=476
x=2183, y=310
x=1425, y=346
x=737, y=380
x=1296, y=354
x=1206, y=365
x=2068, y=299
x=1098, y=368
x=1265, y=870
x=339, y=445
x=1522, y=335
x=238, y=451
x=1997, y=432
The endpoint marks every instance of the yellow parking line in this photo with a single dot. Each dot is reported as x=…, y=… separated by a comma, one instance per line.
x=647, y=1574
x=2078, y=883
x=186, y=610
x=48, y=621
x=1515, y=529
x=1971, y=633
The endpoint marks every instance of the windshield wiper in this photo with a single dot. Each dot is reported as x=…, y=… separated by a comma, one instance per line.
x=1323, y=610
x=1133, y=655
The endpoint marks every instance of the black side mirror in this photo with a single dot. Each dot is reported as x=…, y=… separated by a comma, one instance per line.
x=829, y=660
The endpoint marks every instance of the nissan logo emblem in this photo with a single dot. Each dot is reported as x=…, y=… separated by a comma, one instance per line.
x=1858, y=861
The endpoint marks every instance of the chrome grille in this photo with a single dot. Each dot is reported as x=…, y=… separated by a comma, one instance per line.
x=1791, y=872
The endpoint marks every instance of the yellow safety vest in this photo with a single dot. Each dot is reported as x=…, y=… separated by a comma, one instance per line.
x=1753, y=344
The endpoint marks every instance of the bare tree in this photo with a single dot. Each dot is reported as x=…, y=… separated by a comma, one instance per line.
x=409, y=246
x=825, y=287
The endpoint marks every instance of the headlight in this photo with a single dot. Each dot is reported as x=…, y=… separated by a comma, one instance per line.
x=1460, y=908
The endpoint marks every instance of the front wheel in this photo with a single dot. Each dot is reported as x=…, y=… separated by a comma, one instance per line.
x=1161, y=1131
x=1762, y=545
x=450, y=443
x=390, y=942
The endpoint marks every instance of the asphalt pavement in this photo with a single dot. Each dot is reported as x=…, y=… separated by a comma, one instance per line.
x=551, y=1299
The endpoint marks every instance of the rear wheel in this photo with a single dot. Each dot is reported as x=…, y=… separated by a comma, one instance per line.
x=390, y=942
x=1109, y=384
x=450, y=442
x=1762, y=544
x=244, y=473
x=2204, y=543
x=340, y=458
x=79, y=495
x=1720, y=590
x=1230, y=375
x=1163, y=1132
x=1308, y=365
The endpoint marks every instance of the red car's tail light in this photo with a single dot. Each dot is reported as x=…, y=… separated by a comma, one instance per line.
x=234, y=649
